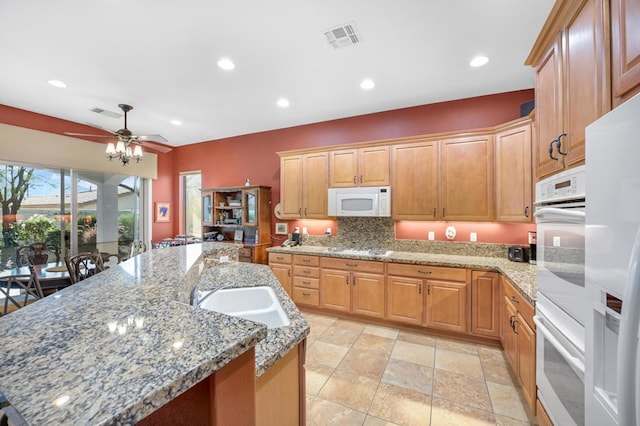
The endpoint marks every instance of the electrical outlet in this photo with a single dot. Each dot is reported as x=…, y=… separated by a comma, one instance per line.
x=473, y=236
x=432, y=235
x=556, y=241
x=224, y=259
x=304, y=230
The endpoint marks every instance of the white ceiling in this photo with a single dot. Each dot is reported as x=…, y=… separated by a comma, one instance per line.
x=160, y=56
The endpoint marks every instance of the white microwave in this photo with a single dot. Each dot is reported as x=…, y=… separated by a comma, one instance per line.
x=374, y=201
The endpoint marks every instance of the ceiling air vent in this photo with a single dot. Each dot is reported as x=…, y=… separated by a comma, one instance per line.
x=105, y=112
x=343, y=35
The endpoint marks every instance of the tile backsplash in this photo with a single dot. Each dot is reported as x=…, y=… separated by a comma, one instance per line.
x=379, y=232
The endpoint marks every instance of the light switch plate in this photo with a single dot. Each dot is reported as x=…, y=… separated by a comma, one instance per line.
x=432, y=235
x=473, y=236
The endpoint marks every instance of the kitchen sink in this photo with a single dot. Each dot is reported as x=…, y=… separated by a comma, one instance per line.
x=259, y=304
x=370, y=252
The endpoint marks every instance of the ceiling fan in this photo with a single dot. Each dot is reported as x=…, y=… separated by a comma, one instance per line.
x=125, y=138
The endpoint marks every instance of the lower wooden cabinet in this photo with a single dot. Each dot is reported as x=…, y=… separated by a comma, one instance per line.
x=349, y=290
x=541, y=415
x=306, y=280
x=404, y=300
x=281, y=267
x=447, y=306
x=254, y=253
x=518, y=339
x=485, y=303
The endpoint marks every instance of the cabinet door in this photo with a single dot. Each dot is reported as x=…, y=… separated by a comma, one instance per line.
x=526, y=360
x=283, y=274
x=207, y=208
x=343, y=168
x=291, y=186
x=315, y=183
x=513, y=175
x=509, y=342
x=548, y=111
x=250, y=207
x=373, y=166
x=368, y=294
x=447, y=305
x=584, y=68
x=414, y=183
x=625, y=54
x=404, y=300
x=335, y=290
x=485, y=303
x=466, y=187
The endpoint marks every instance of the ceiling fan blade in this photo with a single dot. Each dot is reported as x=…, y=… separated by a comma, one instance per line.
x=154, y=138
x=85, y=134
x=155, y=146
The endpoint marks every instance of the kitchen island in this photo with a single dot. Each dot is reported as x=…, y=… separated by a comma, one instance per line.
x=120, y=345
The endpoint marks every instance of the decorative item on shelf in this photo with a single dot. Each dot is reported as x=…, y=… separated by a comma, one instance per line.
x=246, y=182
x=238, y=235
x=163, y=212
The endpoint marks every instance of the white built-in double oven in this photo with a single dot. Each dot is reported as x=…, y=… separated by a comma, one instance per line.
x=562, y=303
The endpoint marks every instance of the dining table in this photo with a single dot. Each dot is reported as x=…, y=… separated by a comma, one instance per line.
x=52, y=276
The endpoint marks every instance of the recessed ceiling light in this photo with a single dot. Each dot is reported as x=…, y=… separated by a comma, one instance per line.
x=479, y=61
x=226, y=64
x=367, y=84
x=283, y=102
x=176, y=122
x=57, y=83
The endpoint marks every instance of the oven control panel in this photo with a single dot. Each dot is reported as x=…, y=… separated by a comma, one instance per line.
x=563, y=186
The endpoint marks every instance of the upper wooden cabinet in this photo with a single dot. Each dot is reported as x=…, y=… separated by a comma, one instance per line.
x=466, y=178
x=414, y=183
x=513, y=174
x=303, y=185
x=367, y=166
x=625, y=52
x=572, y=84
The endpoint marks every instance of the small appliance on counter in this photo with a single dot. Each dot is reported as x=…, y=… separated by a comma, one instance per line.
x=518, y=254
x=533, y=244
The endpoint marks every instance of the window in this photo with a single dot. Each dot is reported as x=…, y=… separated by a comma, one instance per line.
x=192, y=183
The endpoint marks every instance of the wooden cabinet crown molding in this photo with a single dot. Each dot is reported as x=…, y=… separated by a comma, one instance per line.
x=559, y=17
x=483, y=131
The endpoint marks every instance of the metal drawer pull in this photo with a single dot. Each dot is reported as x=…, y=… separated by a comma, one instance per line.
x=526, y=211
x=306, y=271
x=353, y=265
x=420, y=289
x=306, y=260
x=514, y=299
x=511, y=318
x=280, y=258
x=306, y=294
x=420, y=271
x=306, y=282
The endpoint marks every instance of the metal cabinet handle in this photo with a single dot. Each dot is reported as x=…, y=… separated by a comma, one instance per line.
x=305, y=211
x=514, y=299
x=419, y=288
x=511, y=318
x=434, y=212
x=306, y=294
x=352, y=265
x=288, y=272
x=428, y=289
x=526, y=211
x=360, y=178
x=300, y=211
x=346, y=280
x=515, y=329
x=559, y=142
x=306, y=260
x=306, y=282
x=423, y=272
x=355, y=179
x=306, y=271
x=551, y=151
x=279, y=257
x=443, y=212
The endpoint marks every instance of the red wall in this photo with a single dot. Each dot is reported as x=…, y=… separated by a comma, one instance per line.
x=229, y=161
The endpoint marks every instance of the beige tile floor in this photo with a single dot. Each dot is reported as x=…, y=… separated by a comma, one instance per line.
x=359, y=374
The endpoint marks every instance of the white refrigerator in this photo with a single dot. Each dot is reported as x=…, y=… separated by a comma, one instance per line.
x=612, y=267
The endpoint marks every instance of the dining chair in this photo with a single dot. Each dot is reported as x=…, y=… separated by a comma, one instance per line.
x=27, y=285
x=22, y=256
x=105, y=260
x=162, y=244
x=136, y=248
x=82, y=266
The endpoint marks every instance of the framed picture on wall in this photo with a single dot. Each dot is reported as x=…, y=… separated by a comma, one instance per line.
x=163, y=212
x=238, y=235
x=282, y=228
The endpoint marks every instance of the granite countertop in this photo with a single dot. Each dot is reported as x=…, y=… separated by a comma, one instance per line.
x=117, y=346
x=521, y=275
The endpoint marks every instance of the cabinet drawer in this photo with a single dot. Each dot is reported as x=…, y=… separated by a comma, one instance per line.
x=306, y=271
x=353, y=265
x=305, y=296
x=301, y=259
x=279, y=258
x=519, y=302
x=428, y=272
x=306, y=282
x=245, y=252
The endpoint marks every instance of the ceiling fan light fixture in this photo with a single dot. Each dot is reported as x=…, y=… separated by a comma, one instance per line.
x=120, y=148
x=479, y=61
x=367, y=84
x=137, y=151
x=111, y=149
x=176, y=122
x=57, y=83
x=283, y=102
